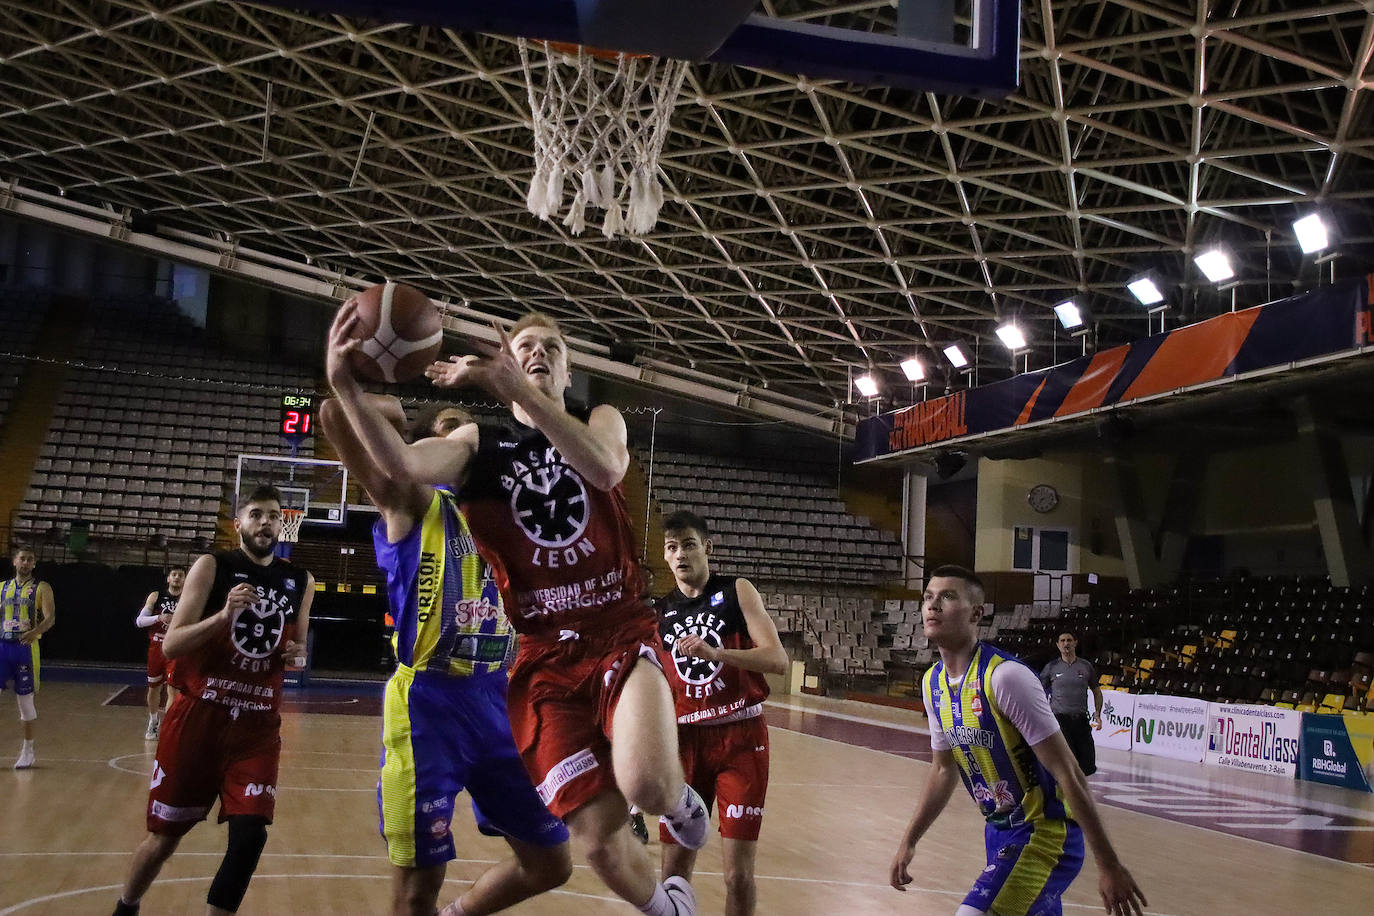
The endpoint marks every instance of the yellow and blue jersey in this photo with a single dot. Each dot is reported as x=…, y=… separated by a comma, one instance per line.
x=445, y=603
x=18, y=607
x=999, y=768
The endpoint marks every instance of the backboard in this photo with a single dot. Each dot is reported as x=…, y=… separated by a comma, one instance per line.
x=960, y=47
x=317, y=486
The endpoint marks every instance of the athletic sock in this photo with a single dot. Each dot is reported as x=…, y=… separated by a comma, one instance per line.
x=125, y=909
x=685, y=801
x=660, y=904
x=453, y=909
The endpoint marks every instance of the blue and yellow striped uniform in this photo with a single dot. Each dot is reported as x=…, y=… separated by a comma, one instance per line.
x=443, y=598
x=18, y=615
x=1034, y=847
x=445, y=726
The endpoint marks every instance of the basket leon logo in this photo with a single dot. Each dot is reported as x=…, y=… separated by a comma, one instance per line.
x=549, y=502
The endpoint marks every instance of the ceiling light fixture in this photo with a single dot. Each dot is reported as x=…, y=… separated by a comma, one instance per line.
x=1215, y=265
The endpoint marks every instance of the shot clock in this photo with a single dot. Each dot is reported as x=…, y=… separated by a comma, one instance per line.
x=297, y=415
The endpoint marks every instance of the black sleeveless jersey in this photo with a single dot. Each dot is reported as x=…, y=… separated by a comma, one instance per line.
x=703, y=690
x=243, y=668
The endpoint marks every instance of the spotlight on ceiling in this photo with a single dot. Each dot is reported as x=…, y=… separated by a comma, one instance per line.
x=1011, y=337
x=1311, y=232
x=913, y=369
x=1215, y=265
x=956, y=356
x=1144, y=289
x=867, y=386
x=1068, y=314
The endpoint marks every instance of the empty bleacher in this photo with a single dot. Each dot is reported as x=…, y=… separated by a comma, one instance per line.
x=146, y=429
x=21, y=314
x=774, y=526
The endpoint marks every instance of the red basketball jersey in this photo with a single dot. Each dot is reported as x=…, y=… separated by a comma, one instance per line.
x=562, y=551
x=243, y=668
x=705, y=691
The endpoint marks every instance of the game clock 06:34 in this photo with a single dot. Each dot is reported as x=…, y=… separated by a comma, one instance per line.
x=297, y=415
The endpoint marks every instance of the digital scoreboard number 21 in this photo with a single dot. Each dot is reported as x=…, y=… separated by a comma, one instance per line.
x=297, y=415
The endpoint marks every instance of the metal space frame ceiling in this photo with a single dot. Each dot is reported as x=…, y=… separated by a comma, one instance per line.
x=811, y=231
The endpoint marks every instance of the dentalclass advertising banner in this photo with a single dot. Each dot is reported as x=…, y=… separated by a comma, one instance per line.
x=1332, y=319
x=1170, y=727
x=1337, y=750
x=1261, y=739
x=1118, y=720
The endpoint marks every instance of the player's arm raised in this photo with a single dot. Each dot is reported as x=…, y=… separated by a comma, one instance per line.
x=767, y=655
x=388, y=492
x=190, y=627
x=597, y=449
x=431, y=461
x=940, y=784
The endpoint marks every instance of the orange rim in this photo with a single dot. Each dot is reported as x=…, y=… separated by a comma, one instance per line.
x=569, y=47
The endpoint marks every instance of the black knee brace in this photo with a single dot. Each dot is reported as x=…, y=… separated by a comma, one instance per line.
x=247, y=837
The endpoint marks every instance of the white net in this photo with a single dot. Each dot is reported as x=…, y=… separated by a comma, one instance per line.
x=600, y=124
x=291, y=525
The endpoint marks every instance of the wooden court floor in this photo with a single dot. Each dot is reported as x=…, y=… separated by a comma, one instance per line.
x=844, y=779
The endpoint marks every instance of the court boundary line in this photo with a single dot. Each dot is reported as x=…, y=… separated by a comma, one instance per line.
x=34, y=901
x=1187, y=781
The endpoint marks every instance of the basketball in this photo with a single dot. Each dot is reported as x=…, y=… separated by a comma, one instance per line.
x=401, y=331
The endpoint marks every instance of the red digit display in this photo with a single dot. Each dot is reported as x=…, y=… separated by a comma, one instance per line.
x=297, y=415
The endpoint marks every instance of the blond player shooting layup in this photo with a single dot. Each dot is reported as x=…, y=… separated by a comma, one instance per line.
x=542, y=497
x=445, y=727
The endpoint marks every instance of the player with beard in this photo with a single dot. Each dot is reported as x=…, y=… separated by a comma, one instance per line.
x=26, y=613
x=720, y=642
x=243, y=613
x=154, y=616
x=542, y=495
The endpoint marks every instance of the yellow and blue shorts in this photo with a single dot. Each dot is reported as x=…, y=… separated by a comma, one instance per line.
x=442, y=734
x=1029, y=868
x=19, y=663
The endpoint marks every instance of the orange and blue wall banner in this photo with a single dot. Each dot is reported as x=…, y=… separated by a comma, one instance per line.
x=1331, y=320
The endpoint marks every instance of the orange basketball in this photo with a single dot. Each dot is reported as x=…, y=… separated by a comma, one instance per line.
x=401, y=331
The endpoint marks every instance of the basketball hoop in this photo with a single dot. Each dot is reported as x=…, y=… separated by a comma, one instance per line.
x=602, y=128
x=291, y=525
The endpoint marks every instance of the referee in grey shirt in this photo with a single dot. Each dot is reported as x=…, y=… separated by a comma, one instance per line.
x=1068, y=679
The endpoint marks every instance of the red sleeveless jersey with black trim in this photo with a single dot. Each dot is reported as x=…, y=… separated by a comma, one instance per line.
x=165, y=603
x=562, y=551
x=242, y=669
x=704, y=690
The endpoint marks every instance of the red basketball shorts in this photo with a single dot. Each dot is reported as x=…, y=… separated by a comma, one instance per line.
x=562, y=699
x=157, y=664
x=204, y=753
x=728, y=764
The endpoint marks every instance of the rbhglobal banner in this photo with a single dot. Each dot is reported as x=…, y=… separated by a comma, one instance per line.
x=1170, y=727
x=1337, y=750
x=1118, y=720
x=1261, y=739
